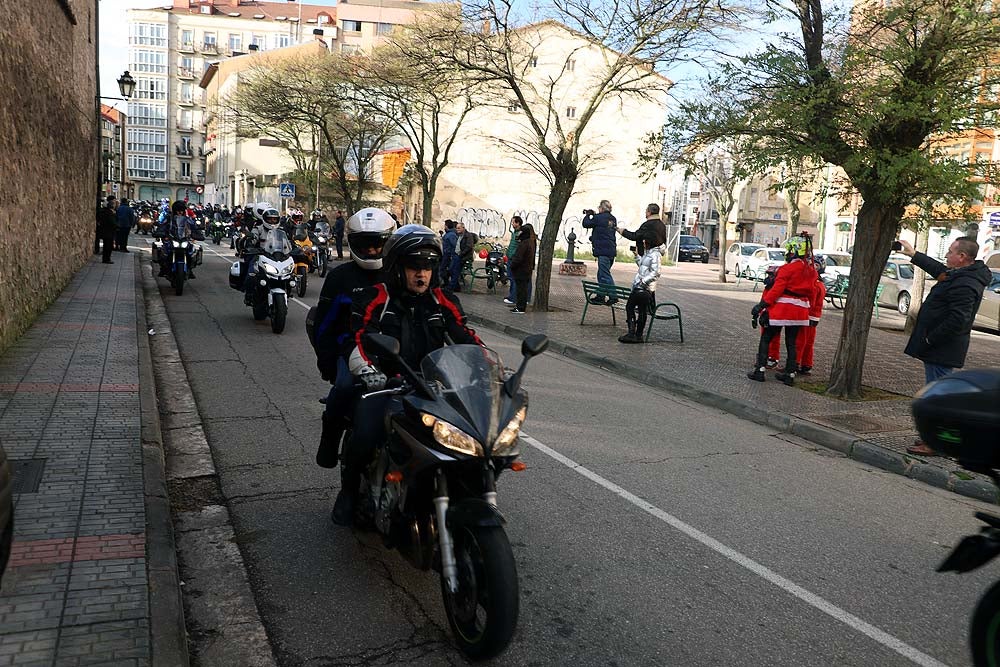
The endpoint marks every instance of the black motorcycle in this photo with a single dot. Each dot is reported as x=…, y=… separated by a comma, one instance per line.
x=181, y=255
x=957, y=416
x=321, y=239
x=431, y=489
x=218, y=228
x=496, y=266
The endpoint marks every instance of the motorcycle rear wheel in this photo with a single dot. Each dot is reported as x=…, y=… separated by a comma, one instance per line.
x=279, y=312
x=984, y=635
x=483, y=611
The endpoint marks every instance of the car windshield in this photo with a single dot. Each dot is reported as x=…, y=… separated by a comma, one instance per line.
x=470, y=379
x=690, y=240
x=776, y=255
x=906, y=271
x=748, y=249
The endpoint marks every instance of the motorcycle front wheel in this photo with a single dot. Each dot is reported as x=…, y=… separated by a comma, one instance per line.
x=483, y=611
x=179, y=283
x=322, y=264
x=300, y=287
x=279, y=312
x=984, y=636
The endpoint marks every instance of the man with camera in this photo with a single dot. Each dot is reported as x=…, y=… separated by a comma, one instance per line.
x=941, y=334
x=603, y=225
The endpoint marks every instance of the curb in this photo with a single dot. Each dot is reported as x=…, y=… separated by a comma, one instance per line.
x=220, y=606
x=852, y=446
x=167, y=631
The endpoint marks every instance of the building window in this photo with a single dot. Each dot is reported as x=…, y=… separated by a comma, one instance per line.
x=187, y=38
x=533, y=61
x=235, y=42
x=210, y=39
x=351, y=26
x=187, y=63
x=147, y=166
x=148, y=34
x=150, y=89
x=186, y=92
x=149, y=61
x=571, y=112
x=258, y=41
x=570, y=65
x=513, y=106
x=146, y=141
x=185, y=119
x=186, y=169
x=154, y=115
x=206, y=9
x=284, y=40
x=384, y=29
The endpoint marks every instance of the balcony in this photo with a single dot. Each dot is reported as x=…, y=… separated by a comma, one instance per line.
x=185, y=102
x=184, y=151
x=210, y=48
x=186, y=47
x=181, y=178
x=184, y=73
x=184, y=127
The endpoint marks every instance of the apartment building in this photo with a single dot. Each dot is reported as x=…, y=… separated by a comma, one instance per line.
x=171, y=48
x=113, y=152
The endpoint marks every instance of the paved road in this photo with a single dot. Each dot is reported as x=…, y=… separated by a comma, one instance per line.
x=689, y=537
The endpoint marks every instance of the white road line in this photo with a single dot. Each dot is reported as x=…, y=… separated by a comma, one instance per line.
x=301, y=303
x=808, y=597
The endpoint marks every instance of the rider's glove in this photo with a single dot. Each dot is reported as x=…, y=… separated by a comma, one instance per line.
x=755, y=311
x=372, y=380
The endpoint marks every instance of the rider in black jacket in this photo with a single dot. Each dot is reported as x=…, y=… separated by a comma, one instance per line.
x=411, y=308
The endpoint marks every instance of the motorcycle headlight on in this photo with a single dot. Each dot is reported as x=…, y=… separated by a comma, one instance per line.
x=508, y=437
x=184, y=244
x=270, y=270
x=321, y=239
x=451, y=437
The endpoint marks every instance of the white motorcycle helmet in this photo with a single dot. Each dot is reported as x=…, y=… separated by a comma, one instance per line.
x=271, y=218
x=367, y=229
x=259, y=209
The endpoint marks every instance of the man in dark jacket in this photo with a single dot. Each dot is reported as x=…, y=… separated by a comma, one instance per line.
x=940, y=337
x=651, y=233
x=521, y=266
x=338, y=233
x=602, y=238
x=126, y=220
x=107, y=225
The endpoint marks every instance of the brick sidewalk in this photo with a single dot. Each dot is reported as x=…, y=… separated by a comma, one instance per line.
x=720, y=347
x=76, y=590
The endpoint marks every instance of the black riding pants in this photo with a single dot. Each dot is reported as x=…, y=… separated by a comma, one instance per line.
x=637, y=308
x=369, y=429
x=791, y=334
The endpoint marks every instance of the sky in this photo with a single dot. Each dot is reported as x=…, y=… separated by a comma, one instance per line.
x=114, y=40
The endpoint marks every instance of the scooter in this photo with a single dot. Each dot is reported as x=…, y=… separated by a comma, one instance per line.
x=269, y=279
x=431, y=489
x=957, y=416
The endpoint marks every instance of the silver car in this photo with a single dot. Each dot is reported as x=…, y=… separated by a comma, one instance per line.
x=988, y=315
x=897, y=284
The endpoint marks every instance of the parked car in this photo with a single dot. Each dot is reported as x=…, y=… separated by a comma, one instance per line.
x=897, y=283
x=691, y=249
x=989, y=310
x=761, y=259
x=838, y=263
x=737, y=254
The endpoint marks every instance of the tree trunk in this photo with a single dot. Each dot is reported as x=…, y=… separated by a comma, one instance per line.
x=559, y=196
x=919, y=284
x=429, y=189
x=876, y=230
x=723, y=223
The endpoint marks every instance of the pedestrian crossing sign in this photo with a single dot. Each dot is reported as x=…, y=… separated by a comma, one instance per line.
x=287, y=190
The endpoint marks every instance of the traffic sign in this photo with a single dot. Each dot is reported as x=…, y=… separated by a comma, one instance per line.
x=114, y=188
x=287, y=190
x=994, y=218
x=199, y=189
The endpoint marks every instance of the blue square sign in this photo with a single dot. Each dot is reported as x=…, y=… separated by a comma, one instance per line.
x=287, y=190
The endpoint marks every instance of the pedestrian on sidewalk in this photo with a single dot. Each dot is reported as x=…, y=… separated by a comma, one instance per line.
x=515, y=229
x=787, y=306
x=107, y=226
x=126, y=221
x=449, y=247
x=943, y=329
x=338, y=233
x=605, y=247
x=650, y=248
x=805, y=346
x=521, y=266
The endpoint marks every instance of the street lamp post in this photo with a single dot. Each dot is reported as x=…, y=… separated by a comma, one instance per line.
x=126, y=85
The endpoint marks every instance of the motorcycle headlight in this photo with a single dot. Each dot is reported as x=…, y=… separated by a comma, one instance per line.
x=451, y=437
x=508, y=437
x=270, y=269
x=184, y=244
x=321, y=239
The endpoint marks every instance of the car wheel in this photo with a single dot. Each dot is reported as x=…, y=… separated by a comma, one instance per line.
x=904, y=303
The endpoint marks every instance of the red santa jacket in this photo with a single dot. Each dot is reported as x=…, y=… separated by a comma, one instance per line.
x=816, y=301
x=789, y=299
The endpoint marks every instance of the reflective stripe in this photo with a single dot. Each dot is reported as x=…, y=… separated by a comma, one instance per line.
x=813, y=318
x=803, y=303
x=788, y=323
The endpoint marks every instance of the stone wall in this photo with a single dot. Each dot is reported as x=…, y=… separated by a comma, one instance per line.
x=48, y=153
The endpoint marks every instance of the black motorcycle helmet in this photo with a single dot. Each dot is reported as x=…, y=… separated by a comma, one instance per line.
x=413, y=246
x=958, y=416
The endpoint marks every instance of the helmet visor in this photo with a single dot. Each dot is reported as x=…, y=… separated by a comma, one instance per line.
x=367, y=244
x=423, y=259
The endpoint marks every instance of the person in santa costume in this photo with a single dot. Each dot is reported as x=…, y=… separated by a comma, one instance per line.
x=807, y=337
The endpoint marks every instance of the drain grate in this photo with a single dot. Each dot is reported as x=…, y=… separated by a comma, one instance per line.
x=27, y=475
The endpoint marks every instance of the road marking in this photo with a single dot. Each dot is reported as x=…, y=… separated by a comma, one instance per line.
x=301, y=303
x=788, y=586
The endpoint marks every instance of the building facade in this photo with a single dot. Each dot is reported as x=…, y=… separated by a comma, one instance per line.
x=171, y=48
x=113, y=122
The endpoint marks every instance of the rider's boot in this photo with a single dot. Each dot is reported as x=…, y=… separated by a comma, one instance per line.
x=347, y=499
x=329, y=442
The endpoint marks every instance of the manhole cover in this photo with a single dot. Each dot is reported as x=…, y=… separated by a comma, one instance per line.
x=27, y=475
x=859, y=422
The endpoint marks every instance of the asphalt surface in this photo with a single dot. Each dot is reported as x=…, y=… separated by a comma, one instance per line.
x=689, y=537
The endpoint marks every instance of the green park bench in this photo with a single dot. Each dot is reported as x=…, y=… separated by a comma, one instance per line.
x=836, y=293
x=671, y=311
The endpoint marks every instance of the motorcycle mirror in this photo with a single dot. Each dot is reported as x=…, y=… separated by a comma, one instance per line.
x=534, y=345
x=386, y=346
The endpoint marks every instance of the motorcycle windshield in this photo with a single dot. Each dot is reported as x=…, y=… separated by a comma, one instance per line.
x=301, y=233
x=276, y=242
x=470, y=379
x=323, y=228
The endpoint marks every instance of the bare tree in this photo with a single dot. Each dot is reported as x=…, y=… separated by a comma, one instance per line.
x=493, y=45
